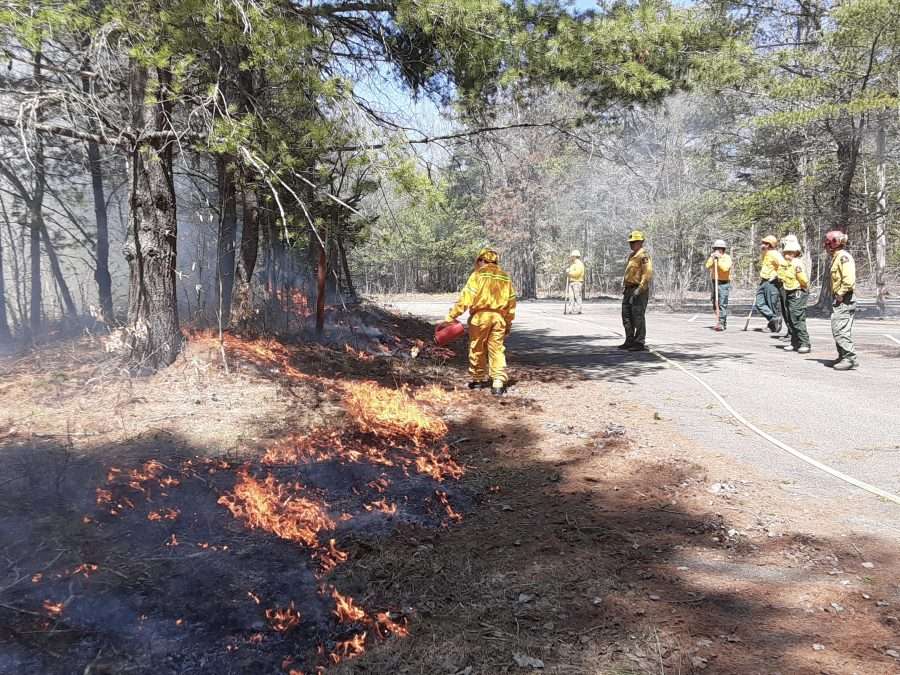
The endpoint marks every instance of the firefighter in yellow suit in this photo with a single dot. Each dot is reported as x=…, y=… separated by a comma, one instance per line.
x=491, y=301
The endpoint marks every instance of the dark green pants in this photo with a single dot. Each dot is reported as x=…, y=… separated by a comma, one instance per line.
x=724, y=292
x=768, y=300
x=634, y=307
x=842, y=329
x=796, y=317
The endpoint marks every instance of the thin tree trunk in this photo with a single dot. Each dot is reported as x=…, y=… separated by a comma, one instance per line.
x=35, y=217
x=322, y=271
x=242, y=298
x=880, y=218
x=101, y=272
x=351, y=291
x=5, y=334
x=154, y=337
x=68, y=304
x=227, y=232
x=17, y=272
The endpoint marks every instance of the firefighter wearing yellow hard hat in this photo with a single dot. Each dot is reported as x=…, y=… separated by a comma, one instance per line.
x=843, y=285
x=768, y=293
x=491, y=302
x=575, y=285
x=795, y=282
x=636, y=293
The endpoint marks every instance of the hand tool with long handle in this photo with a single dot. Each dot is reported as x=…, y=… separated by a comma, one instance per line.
x=752, y=308
x=566, y=305
x=716, y=287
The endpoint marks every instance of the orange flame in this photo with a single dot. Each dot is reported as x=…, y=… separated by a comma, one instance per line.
x=163, y=514
x=389, y=413
x=268, y=505
x=345, y=610
x=54, y=609
x=283, y=619
x=381, y=505
x=349, y=649
x=84, y=568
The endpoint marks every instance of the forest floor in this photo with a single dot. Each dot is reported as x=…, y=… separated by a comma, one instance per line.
x=355, y=508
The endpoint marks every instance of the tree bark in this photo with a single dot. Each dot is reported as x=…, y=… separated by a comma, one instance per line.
x=227, y=232
x=5, y=334
x=249, y=252
x=351, y=291
x=880, y=218
x=68, y=303
x=321, y=273
x=101, y=272
x=35, y=218
x=153, y=334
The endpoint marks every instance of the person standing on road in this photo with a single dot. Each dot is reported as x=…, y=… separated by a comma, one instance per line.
x=575, y=275
x=719, y=263
x=636, y=293
x=491, y=301
x=768, y=295
x=843, y=283
x=796, y=289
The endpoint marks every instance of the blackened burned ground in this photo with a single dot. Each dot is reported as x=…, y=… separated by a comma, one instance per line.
x=187, y=594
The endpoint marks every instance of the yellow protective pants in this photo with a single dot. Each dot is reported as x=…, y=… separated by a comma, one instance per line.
x=487, y=353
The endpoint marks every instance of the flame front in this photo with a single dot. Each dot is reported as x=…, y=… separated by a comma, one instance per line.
x=283, y=619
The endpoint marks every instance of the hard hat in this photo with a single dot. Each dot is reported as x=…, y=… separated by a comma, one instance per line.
x=636, y=235
x=770, y=240
x=720, y=243
x=788, y=238
x=791, y=245
x=835, y=239
x=575, y=253
x=488, y=255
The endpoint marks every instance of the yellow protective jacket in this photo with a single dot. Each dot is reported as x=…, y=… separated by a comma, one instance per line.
x=843, y=273
x=639, y=270
x=769, y=265
x=575, y=271
x=793, y=275
x=488, y=289
x=724, y=270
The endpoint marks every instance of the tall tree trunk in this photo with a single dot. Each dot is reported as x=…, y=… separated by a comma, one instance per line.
x=16, y=267
x=351, y=291
x=321, y=273
x=68, y=303
x=36, y=216
x=227, y=232
x=880, y=217
x=5, y=334
x=101, y=272
x=154, y=337
x=249, y=254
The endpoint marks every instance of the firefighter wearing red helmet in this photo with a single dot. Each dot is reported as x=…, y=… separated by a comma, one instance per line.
x=843, y=282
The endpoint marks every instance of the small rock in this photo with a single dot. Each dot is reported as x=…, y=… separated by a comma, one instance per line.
x=597, y=601
x=837, y=607
x=732, y=532
x=525, y=597
x=868, y=565
x=866, y=596
x=654, y=597
x=893, y=653
x=817, y=647
x=525, y=661
x=881, y=603
x=704, y=642
x=506, y=507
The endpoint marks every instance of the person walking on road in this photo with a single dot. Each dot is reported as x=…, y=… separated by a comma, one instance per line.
x=795, y=283
x=719, y=263
x=491, y=301
x=843, y=283
x=768, y=295
x=636, y=293
x=575, y=276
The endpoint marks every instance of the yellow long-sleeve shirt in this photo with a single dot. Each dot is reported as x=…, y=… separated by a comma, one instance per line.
x=793, y=275
x=488, y=288
x=843, y=273
x=639, y=270
x=724, y=268
x=575, y=271
x=769, y=265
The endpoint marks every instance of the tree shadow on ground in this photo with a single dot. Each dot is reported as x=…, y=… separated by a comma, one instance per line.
x=593, y=358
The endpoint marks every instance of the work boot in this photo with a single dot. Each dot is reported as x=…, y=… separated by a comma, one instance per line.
x=804, y=349
x=637, y=348
x=719, y=328
x=624, y=345
x=789, y=348
x=777, y=325
x=846, y=364
x=498, y=388
x=773, y=326
x=479, y=384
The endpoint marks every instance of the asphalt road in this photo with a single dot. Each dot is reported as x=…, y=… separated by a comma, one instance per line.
x=848, y=420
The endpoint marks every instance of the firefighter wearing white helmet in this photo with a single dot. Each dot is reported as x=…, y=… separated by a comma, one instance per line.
x=843, y=283
x=575, y=276
x=795, y=283
x=636, y=293
x=719, y=263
